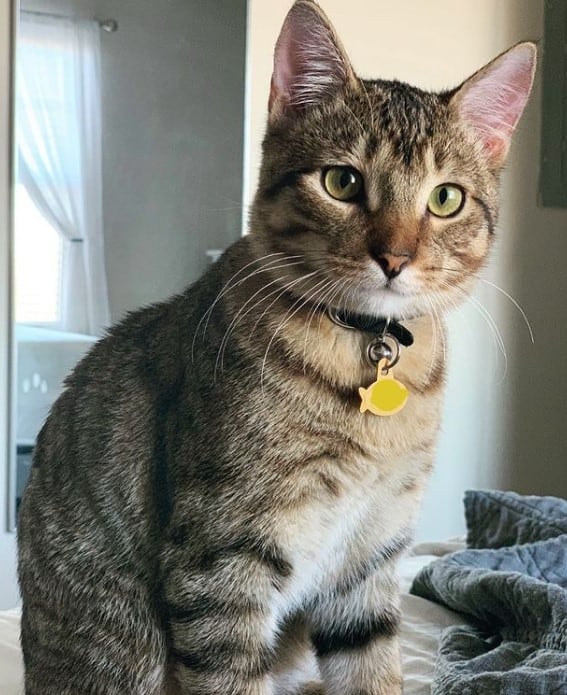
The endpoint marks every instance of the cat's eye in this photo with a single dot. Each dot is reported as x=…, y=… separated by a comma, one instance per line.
x=446, y=200
x=342, y=183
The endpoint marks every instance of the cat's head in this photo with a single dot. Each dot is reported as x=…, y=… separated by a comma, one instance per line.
x=385, y=196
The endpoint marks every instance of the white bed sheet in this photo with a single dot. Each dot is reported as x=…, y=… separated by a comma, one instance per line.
x=422, y=625
x=11, y=667
x=423, y=621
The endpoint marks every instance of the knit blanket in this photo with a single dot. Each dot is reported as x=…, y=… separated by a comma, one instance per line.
x=511, y=584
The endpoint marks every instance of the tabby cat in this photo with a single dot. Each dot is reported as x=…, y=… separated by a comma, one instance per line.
x=209, y=511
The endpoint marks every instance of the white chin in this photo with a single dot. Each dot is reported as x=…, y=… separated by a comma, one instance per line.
x=385, y=302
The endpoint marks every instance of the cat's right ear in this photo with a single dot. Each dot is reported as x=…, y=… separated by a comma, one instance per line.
x=309, y=62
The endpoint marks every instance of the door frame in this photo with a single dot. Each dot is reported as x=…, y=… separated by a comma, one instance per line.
x=8, y=584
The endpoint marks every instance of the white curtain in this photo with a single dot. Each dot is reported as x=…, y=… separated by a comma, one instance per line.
x=58, y=102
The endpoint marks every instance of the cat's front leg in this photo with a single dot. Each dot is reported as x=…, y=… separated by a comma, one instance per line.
x=222, y=619
x=355, y=635
x=296, y=671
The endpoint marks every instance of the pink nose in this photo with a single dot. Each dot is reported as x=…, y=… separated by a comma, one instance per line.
x=392, y=264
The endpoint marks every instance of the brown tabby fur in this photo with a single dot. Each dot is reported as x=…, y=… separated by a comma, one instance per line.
x=208, y=509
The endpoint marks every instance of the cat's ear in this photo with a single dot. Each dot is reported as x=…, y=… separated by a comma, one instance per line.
x=493, y=99
x=309, y=61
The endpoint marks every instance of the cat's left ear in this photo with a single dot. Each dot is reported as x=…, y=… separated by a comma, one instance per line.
x=493, y=99
x=310, y=63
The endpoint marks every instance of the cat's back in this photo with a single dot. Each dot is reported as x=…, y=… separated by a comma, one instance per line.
x=98, y=499
x=100, y=459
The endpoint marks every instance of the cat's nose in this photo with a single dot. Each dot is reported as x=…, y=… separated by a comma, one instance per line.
x=391, y=263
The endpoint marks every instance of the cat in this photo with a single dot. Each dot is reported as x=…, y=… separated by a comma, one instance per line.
x=209, y=512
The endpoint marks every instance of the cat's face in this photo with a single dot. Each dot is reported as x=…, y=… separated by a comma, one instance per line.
x=387, y=194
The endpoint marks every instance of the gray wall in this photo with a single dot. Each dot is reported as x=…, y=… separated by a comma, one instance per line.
x=173, y=124
x=173, y=134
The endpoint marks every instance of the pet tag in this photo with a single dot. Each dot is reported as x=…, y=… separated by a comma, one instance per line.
x=386, y=396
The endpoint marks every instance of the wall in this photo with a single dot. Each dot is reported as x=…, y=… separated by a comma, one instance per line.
x=173, y=114
x=503, y=425
x=173, y=124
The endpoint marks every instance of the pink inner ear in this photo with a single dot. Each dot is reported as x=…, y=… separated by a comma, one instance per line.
x=494, y=99
x=285, y=63
x=307, y=62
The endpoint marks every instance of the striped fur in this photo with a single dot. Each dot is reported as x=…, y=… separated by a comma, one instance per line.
x=208, y=512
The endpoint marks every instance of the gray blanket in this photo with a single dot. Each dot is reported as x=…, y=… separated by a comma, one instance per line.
x=511, y=584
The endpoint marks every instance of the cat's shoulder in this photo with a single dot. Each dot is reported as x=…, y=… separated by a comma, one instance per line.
x=151, y=346
x=146, y=349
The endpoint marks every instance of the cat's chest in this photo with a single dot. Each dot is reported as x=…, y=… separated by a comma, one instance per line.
x=330, y=536
x=363, y=492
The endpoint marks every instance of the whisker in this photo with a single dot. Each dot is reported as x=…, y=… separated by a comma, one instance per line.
x=239, y=315
x=280, y=294
x=496, y=332
x=336, y=292
x=331, y=300
x=515, y=303
x=290, y=313
x=354, y=291
x=328, y=291
x=266, y=267
x=502, y=291
x=441, y=329
x=225, y=289
x=434, y=326
x=497, y=336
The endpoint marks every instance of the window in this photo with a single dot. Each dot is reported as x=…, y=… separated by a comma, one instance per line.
x=60, y=274
x=38, y=264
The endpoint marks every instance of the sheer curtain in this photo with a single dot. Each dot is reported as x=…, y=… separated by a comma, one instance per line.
x=58, y=135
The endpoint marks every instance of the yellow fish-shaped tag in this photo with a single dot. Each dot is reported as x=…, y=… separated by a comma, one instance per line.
x=386, y=396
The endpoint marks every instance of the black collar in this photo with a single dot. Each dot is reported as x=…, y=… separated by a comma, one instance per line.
x=372, y=324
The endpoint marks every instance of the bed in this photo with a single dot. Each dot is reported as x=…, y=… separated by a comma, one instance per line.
x=423, y=623
x=510, y=581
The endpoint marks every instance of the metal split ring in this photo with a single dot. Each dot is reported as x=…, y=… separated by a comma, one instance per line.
x=386, y=347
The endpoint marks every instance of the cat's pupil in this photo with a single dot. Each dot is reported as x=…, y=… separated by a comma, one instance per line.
x=346, y=179
x=443, y=195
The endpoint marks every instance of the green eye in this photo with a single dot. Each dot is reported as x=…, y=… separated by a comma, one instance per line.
x=445, y=200
x=342, y=183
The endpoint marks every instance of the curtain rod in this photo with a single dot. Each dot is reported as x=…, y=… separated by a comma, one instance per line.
x=108, y=25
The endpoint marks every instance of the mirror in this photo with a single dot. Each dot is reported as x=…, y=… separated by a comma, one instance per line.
x=129, y=122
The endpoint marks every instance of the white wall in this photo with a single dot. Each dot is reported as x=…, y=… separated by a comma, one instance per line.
x=500, y=430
